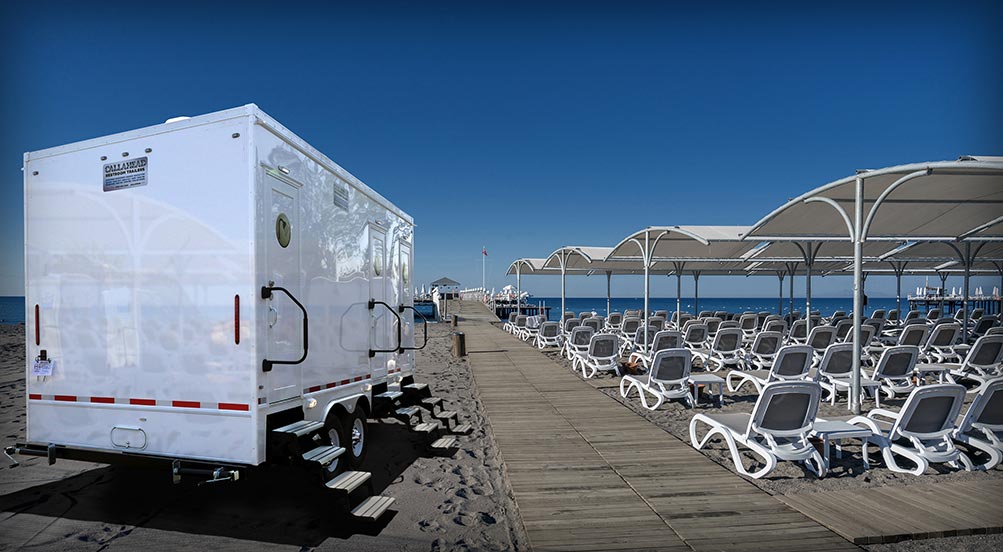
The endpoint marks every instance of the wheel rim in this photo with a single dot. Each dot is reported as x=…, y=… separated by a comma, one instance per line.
x=358, y=437
x=332, y=434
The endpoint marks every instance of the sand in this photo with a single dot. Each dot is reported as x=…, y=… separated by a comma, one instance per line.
x=791, y=478
x=458, y=503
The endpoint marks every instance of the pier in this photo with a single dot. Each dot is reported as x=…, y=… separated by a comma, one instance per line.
x=953, y=303
x=502, y=310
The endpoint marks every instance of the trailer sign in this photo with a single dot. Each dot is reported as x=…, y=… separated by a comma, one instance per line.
x=125, y=174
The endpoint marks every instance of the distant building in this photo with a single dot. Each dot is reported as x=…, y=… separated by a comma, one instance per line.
x=448, y=288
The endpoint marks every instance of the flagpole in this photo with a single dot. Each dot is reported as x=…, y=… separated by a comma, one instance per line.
x=484, y=254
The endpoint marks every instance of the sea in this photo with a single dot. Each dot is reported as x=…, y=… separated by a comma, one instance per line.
x=12, y=308
x=826, y=305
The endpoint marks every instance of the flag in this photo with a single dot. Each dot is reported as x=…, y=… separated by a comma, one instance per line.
x=484, y=250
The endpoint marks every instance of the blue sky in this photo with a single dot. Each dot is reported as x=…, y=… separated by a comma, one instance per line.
x=523, y=127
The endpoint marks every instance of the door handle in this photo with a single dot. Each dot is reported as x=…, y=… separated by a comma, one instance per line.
x=372, y=305
x=266, y=293
x=424, y=323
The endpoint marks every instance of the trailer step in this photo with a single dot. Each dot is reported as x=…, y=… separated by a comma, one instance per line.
x=446, y=415
x=323, y=455
x=444, y=443
x=416, y=386
x=300, y=428
x=390, y=395
x=373, y=507
x=431, y=402
x=463, y=429
x=348, y=481
x=408, y=411
x=427, y=427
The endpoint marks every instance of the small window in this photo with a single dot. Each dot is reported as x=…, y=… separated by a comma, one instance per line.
x=283, y=230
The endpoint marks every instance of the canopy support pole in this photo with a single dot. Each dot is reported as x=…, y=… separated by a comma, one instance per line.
x=780, y=303
x=609, y=276
x=899, y=269
x=518, y=289
x=563, y=274
x=696, y=292
x=679, y=291
x=964, y=290
x=943, y=290
x=858, y=284
x=791, y=269
x=647, y=283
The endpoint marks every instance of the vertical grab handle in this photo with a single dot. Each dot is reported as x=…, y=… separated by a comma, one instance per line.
x=266, y=293
x=372, y=305
x=424, y=322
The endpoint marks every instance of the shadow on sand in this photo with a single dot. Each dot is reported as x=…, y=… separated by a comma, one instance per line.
x=276, y=504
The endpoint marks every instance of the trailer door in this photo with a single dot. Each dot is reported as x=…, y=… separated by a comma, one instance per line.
x=405, y=362
x=284, y=319
x=380, y=316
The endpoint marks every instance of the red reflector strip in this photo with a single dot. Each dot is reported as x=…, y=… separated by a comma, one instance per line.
x=35, y=396
x=358, y=379
x=345, y=382
x=234, y=406
x=38, y=335
x=66, y=398
x=103, y=400
x=236, y=319
x=330, y=385
x=143, y=402
x=185, y=404
x=313, y=389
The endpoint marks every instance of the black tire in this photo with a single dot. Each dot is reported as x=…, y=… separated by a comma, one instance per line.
x=356, y=441
x=334, y=433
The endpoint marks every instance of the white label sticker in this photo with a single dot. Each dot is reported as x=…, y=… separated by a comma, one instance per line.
x=125, y=174
x=43, y=368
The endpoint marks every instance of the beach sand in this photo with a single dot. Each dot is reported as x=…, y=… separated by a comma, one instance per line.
x=457, y=503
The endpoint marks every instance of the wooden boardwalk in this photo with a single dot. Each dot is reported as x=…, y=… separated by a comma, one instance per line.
x=589, y=474
x=890, y=514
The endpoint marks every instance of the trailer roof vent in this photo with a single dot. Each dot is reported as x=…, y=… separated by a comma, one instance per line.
x=177, y=119
x=340, y=193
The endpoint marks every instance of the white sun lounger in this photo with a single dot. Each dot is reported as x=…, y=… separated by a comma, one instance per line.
x=549, y=335
x=578, y=342
x=725, y=350
x=791, y=364
x=665, y=339
x=983, y=362
x=835, y=370
x=763, y=350
x=602, y=355
x=982, y=426
x=777, y=429
x=925, y=423
x=668, y=378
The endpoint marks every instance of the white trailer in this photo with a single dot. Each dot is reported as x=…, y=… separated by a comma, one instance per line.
x=215, y=292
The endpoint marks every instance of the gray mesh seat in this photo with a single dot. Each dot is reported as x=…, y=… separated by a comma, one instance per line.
x=921, y=432
x=799, y=332
x=578, y=341
x=596, y=324
x=614, y=321
x=695, y=336
x=940, y=345
x=983, y=362
x=667, y=379
x=763, y=350
x=791, y=364
x=549, y=335
x=982, y=426
x=602, y=355
x=726, y=350
x=665, y=339
x=777, y=429
x=835, y=372
x=895, y=370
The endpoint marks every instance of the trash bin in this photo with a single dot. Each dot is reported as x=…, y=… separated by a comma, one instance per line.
x=459, y=345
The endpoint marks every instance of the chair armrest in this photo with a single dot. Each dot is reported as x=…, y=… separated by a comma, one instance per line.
x=881, y=412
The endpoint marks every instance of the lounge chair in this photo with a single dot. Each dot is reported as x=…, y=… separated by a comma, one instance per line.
x=777, y=429
x=775, y=326
x=984, y=361
x=982, y=426
x=531, y=329
x=725, y=350
x=595, y=323
x=665, y=339
x=668, y=378
x=549, y=335
x=663, y=314
x=879, y=314
x=895, y=370
x=748, y=323
x=799, y=333
x=932, y=315
x=568, y=325
x=820, y=338
x=567, y=315
x=893, y=317
x=614, y=321
x=602, y=355
x=629, y=325
x=834, y=373
x=921, y=431
x=713, y=323
x=578, y=342
x=981, y=327
x=843, y=329
x=585, y=314
x=657, y=322
x=791, y=364
x=695, y=337
x=510, y=325
x=519, y=329
x=940, y=345
x=763, y=350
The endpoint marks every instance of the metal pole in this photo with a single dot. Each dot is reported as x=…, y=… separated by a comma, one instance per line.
x=780, y=303
x=943, y=291
x=563, y=273
x=809, y=260
x=647, y=267
x=898, y=291
x=858, y=261
x=518, y=289
x=696, y=292
x=679, y=294
x=964, y=290
x=609, y=275
x=791, y=290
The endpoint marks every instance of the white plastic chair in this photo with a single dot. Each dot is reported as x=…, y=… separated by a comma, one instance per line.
x=668, y=378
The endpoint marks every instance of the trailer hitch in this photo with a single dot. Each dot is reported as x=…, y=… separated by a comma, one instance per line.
x=216, y=475
x=9, y=452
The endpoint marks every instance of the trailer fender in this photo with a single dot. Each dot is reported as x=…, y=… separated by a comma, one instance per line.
x=347, y=405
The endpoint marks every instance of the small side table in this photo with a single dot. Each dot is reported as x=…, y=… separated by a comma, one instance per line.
x=837, y=430
x=939, y=370
x=710, y=380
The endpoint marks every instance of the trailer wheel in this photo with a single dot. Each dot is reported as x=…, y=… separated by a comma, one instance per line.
x=334, y=430
x=356, y=441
